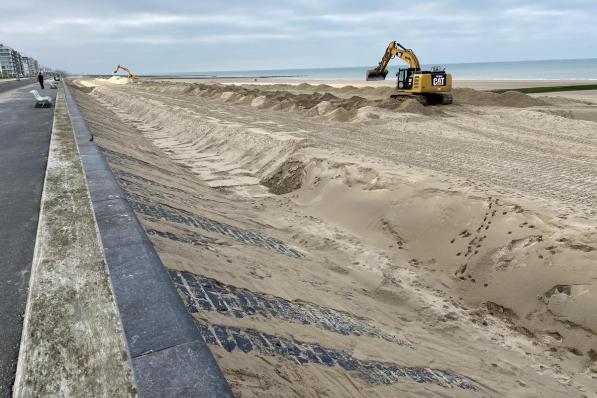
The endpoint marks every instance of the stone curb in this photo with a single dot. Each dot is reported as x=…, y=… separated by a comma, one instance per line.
x=169, y=356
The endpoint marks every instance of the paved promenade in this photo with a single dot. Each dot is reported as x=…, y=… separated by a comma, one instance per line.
x=6, y=85
x=24, y=137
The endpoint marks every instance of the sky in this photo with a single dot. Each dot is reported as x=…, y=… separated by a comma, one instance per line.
x=157, y=36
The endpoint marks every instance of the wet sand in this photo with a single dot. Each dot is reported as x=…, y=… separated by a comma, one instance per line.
x=329, y=242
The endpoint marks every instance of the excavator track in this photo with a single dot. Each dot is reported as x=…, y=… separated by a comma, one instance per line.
x=447, y=99
x=425, y=99
x=404, y=97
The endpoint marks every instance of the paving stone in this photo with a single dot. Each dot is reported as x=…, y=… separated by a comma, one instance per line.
x=170, y=373
x=250, y=340
x=200, y=293
x=117, y=223
x=125, y=175
x=167, y=213
x=193, y=240
x=103, y=188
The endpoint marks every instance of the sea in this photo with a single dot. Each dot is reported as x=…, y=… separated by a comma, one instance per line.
x=569, y=69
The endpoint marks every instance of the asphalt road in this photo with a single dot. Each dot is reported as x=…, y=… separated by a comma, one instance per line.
x=24, y=142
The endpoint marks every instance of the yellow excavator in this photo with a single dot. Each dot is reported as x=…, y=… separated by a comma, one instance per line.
x=428, y=87
x=130, y=74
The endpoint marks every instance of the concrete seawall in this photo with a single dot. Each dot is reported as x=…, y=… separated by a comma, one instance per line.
x=103, y=317
x=72, y=343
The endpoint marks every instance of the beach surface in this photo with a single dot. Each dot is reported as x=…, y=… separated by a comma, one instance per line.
x=331, y=242
x=475, y=84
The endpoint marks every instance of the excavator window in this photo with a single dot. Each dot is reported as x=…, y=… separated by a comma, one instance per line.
x=405, y=79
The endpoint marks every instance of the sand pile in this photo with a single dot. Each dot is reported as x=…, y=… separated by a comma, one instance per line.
x=462, y=95
x=85, y=83
x=481, y=258
x=288, y=177
x=369, y=92
x=230, y=156
x=117, y=80
x=513, y=99
x=82, y=85
x=414, y=106
x=320, y=100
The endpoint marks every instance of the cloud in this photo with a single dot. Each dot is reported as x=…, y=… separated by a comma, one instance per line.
x=181, y=35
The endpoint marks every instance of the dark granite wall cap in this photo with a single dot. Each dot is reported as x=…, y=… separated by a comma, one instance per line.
x=169, y=356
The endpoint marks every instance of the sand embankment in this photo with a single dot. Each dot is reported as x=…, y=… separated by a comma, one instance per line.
x=395, y=238
x=474, y=84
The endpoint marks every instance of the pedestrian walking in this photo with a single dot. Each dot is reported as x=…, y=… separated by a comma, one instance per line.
x=40, y=79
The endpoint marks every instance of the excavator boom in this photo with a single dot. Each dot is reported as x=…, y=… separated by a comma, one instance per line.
x=128, y=72
x=394, y=50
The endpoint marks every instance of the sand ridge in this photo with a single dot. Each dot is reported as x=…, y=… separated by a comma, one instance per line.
x=417, y=223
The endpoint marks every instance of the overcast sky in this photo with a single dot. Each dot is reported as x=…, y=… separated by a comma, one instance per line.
x=184, y=35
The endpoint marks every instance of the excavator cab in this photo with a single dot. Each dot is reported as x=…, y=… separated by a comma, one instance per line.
x=405, y=78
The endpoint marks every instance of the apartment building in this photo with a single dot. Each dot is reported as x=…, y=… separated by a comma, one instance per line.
x=13, y=64
x=8, y=61
x=30, y=67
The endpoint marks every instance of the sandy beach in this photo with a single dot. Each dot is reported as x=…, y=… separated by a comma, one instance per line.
x=331, y=242
x=475, y=84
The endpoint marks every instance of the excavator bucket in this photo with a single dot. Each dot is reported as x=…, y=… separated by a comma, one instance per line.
x=374, y=74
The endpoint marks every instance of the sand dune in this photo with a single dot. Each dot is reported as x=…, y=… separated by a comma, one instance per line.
x=467, y=231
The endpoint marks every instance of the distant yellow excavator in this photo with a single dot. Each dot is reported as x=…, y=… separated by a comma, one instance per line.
x=130, y=74
x=428, y=87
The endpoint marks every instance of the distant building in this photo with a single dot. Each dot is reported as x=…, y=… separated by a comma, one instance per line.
x=13, y=64
x=26, y=71
x=30, y=67
x=10, y=62
x=19, y=64
x=33, y=66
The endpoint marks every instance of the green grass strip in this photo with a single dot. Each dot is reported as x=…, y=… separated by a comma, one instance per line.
x=538, y=90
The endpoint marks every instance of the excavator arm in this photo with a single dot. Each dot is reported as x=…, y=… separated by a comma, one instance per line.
x=394, y=50
x=127, y=70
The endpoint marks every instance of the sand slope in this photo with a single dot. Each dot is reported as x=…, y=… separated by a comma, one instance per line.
x=466, y=231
